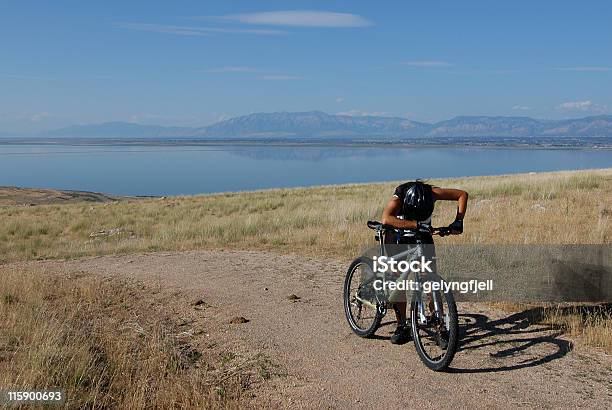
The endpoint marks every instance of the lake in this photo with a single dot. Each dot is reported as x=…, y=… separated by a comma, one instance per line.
x=175, y=170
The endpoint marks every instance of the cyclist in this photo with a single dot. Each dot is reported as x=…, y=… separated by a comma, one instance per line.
x=410, y=209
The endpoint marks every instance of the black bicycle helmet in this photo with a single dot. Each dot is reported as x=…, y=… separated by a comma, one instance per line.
x=418, y=201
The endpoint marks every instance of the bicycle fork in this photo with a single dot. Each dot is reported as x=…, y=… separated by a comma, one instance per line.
x=435, y=302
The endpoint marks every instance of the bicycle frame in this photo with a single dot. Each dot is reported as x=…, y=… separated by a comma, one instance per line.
x=433, y=319
x=412, y=253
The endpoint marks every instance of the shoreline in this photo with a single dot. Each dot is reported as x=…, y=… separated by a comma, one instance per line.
x=31, y=196
x=545, y=143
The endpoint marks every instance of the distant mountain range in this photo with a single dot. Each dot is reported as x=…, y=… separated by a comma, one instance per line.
x=319, y=125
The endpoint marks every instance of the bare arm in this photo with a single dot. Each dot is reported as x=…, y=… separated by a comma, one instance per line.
x=389, y=216
x=444, y=194
x=440, y=194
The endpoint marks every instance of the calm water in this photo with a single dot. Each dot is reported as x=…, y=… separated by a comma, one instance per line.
x=149, y=170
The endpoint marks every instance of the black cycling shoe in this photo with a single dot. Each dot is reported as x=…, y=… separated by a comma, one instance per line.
x=401, y=335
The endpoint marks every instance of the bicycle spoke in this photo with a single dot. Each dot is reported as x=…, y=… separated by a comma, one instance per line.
x=432, y=337
x=362, y=308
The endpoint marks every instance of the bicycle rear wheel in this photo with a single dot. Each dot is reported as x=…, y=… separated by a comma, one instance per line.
x=435, y=335
x=362, y=309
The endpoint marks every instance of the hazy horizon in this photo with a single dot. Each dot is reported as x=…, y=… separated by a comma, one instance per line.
x=194, y=63
x=121, y=121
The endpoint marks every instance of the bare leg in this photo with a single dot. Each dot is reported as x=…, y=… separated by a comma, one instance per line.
x=400, y=312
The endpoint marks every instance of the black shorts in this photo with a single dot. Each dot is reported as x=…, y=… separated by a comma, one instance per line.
x=393, y=238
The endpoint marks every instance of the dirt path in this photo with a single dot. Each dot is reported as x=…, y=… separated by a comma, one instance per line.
x=504, y=362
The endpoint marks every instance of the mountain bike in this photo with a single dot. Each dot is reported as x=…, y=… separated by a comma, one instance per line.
x=433, y=314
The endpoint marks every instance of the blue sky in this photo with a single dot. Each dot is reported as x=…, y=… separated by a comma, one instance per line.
x=195, y=62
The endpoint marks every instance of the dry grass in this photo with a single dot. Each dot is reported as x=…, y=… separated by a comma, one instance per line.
x=106, y=346
x=562, y=207
x=592, y=325
x=100, y=341
x=588, y=324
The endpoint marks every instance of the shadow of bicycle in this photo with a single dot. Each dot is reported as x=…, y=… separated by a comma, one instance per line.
x=519, y=340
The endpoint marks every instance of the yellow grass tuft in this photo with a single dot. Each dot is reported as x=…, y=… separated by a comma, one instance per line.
x=105, y=345
x=592, y=325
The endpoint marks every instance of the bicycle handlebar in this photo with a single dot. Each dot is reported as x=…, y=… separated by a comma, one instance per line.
x=441, y=231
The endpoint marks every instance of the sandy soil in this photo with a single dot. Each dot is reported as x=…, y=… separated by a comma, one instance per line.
x=504, y=360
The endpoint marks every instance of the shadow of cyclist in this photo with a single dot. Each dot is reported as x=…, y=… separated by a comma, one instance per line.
x=519, y=334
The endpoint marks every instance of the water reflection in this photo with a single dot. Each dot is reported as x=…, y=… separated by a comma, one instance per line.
x=175, y=170
x=314, y=153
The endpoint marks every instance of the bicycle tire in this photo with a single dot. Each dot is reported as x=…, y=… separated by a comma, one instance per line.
x=453, y=335
x=376, y=320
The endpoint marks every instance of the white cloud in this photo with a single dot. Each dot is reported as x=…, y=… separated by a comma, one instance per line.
x=339, y=100
x=521, y=108
x=280, y=77
x=300, y=18
x=576, y=105
x=193, y=31
x=262, y=73
x=587, y=69
x=236, y=69
x=427, y=63
x=357, y=113
x=586, y=105
x=41, y=116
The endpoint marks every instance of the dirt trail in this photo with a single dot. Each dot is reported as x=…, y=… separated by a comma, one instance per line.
x=504, y=361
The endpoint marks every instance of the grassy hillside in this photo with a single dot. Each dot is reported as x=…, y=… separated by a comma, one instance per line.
x=560, y=207
x=102, y=363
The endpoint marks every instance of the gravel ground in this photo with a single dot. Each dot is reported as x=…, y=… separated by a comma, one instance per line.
x=504, y=360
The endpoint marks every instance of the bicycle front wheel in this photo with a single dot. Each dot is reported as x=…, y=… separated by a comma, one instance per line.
x=361, y=306
x=435, y=328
